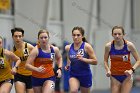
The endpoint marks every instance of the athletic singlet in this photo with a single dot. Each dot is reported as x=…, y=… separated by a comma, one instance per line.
x=45, y=60
x=23, y=55
x=120, y=59
x=78, y=67
x=5, y=68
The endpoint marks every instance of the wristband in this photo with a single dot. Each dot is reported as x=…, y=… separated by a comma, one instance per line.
x=133, y=70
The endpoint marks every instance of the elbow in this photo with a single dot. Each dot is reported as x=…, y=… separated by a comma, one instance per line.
x=95, y=62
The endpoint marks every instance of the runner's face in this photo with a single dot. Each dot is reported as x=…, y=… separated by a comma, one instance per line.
x=117, y=34
x=77, y=36
x=43, y=38
x=18, y=37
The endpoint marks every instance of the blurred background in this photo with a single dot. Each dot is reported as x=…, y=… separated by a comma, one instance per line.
x=97, y=17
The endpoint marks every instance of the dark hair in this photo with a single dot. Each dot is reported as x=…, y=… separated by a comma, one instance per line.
x=43, y=31
x=82, y=31
x=118, y=27
x=17, y=29
x=53, y=44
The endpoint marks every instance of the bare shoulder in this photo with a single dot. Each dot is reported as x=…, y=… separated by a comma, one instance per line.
x=108, y=45
x=87, y=45
x=35, y=50
x=55, y=48
x=30, y=45
x=67, y=47
x=130, y=45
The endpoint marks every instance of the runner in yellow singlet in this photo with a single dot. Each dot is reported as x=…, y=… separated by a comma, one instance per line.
x=6, y=77
x=22, y=49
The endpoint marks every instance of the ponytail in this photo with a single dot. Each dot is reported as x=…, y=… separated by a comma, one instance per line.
x=84, y=39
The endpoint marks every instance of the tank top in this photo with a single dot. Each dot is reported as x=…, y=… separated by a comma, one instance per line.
x=78, y=67
x=23, y=55
x=46, y=60
x=5, y=68
x=120, y=59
